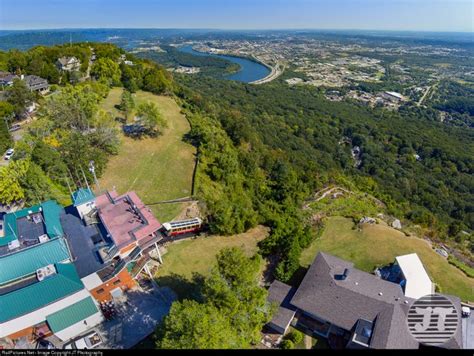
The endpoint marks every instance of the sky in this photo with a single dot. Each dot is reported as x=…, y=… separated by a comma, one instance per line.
x=410, y=15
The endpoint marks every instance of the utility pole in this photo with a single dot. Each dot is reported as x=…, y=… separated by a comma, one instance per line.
x=92, y=170
x=84, y=175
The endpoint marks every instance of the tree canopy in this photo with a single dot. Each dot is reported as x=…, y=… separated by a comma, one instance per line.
x=106, y=69
x=230, y=314
x=150, y=117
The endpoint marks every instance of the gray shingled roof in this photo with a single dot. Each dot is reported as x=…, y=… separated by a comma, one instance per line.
x=280, y=294
x=360, y=296
x=456, y=342
x=391, y=329
x=343, y=302
x=66, y=60
x=34, y=82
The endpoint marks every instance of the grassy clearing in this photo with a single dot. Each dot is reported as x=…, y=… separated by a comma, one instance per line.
x=378, y=245
x=469, y=271
x=114, y=98
x=156, y=168
x=354, y=205
x=198, y=256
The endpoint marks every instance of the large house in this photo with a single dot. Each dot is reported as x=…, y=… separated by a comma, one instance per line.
x=6, y=79
x=351, y=308
x=35, y=83
x=68, y=64
x=57, y=264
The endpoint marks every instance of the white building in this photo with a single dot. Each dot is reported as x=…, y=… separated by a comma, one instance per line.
x=417, y=282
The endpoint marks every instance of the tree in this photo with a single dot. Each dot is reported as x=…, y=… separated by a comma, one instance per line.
x=156, y=81
x=19, y=96
x=287, y=344
x=105, y=68
x=35, y=184
x=6, y=112
x=131, y=77
x=17, y=61
x=295, y=336
x=72, y=108
x=150, y=118
x=11, y=190
x=191, y=325
x=105, y=135
x=231, y=292
x=127, y=103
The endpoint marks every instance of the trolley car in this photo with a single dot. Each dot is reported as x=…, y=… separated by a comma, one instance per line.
x=175, y=228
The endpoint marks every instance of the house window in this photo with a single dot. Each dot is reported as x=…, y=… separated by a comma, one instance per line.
x=100, y=291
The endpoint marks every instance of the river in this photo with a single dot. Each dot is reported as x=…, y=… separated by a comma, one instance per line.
x=250, y=71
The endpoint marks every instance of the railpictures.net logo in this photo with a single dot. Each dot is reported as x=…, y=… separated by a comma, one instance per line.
x=433, y=320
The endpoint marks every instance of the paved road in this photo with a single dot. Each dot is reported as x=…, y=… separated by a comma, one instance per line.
x=468, y=332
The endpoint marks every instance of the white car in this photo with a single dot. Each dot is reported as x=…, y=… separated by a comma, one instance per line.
x=9, y=154
x=466, y=312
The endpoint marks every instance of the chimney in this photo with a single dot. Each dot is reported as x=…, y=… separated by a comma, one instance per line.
x=345, y=274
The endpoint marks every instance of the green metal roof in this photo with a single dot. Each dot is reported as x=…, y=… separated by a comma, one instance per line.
x=71, y=315
x=28, y=260
x=82, y=196
x=51, y=213
x=37, y=295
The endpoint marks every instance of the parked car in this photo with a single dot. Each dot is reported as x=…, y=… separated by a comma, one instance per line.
x=9, y=154
x=466, y=312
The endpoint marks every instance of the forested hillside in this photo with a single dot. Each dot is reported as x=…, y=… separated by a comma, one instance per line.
x=282, y=143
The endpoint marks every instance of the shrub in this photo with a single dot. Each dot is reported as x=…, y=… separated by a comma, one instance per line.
x=295, y=336
x=287, y=345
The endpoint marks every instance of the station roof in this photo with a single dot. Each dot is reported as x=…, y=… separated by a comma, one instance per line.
x=418, y=283
x=82, y=196
x=71, y=315
x=26, y=300
x=126, y=218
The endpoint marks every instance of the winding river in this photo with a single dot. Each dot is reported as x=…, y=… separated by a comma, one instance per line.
x=250, y=71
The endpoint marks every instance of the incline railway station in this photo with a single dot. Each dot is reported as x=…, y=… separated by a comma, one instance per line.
x=176, y=228
x=62, y=269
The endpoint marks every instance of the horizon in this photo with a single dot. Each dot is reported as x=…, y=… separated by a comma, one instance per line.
x=245, y=15
x=232, y=29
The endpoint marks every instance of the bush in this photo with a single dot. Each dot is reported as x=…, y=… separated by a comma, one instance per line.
x=468, y=271
x=287, y=345
x=295, y=336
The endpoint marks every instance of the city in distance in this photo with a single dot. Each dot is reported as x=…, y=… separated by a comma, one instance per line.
x=216, y=182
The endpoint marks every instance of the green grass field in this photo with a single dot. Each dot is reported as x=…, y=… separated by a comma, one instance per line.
x=198, y=256
x=156, y=168
x=379, y=244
